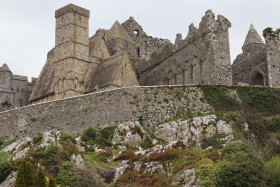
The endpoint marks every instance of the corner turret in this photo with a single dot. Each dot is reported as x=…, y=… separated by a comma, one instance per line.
x=254, y=40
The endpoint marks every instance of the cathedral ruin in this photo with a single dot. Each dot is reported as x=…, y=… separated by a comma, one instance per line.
x=126, y=56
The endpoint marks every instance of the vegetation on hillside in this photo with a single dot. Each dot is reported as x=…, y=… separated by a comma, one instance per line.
x=252, y=159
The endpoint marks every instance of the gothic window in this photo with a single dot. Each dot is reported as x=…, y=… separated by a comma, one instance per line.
x=138, y=52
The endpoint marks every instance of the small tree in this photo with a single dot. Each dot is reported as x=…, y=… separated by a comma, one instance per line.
x=41, y=179
x=26, y=175
x=52, y=182
x=67, y=176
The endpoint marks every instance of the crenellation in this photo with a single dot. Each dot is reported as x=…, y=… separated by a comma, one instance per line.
x=72, y=9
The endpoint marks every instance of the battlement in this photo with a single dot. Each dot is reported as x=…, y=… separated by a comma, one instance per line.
x=20, y=78
x=72, y=8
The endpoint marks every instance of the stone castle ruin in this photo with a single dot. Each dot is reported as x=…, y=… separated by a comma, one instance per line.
x=125, y=56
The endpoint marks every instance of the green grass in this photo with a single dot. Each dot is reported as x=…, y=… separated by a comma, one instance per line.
x=5, y=144
x=4, y=157
x=93, y=160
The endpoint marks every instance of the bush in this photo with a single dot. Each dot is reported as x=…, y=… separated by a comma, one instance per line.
x=125, y=155
x=52, y=182
x=235, y=147
x=137, y=130
x=108, y=132
x=5, y=170
x=102, y=140
x=41, y=179
x=272, y=123
x=206, y=175
x=164, y=156
x=66, y=175
x=147, y=143
x=38, y=139
x=89, y=134
x=67, y=138
x=26, y=175
x=272, y=172
x=240, y=169
x=214, y=141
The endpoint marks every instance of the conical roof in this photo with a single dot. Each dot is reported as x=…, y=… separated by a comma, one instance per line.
x=253, y=36
x=5, y=68
x=117, y=31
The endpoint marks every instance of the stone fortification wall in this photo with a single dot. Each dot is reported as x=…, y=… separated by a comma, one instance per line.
x=150, y=105
x=272, y=40
x=202, y=58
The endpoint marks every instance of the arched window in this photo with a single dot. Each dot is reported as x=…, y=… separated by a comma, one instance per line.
x=138, y=52
x=258, y=80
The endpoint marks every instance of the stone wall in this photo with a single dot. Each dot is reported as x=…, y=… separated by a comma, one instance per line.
x=14, y=89
x=202, y=58
x=272, y=40
x=150, y=105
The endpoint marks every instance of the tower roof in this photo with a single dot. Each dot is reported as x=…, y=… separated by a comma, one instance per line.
x=5, y=68
x=117, y=31
x=253, y=37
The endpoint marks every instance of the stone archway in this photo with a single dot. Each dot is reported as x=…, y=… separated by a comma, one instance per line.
x=258, y=79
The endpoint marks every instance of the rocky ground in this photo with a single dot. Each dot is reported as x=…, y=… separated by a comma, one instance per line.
x=132, y=149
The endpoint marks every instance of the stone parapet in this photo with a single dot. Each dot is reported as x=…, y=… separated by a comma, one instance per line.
x=72, y=8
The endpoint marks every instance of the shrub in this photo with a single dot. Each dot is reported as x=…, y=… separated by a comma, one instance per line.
x=272, y=123
x=89, y=134
x=179, y=144
x=235, y=147
x=26, y=175
x=38, y=139
x=67, y=138
x=206, y=175
x=108, y=132
x=125, y=155
x=214, y=141
x=5, y=170
x=102, y=140
x=137, y=130
x=41, y=178
x=51, y=156
x=66, y=175
x=240, y=169
x=272, y=172
x=147, y=143
x=164, y=156
x=52, y=182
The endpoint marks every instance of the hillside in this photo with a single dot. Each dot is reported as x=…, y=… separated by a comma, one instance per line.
x=204, y=136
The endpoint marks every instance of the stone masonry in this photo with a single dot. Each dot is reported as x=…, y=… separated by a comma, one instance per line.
x=14, y=89
x=126, y=56
x=259, y=63
x=149, y=105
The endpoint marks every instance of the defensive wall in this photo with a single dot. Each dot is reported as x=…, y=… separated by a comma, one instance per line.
x=149, y=105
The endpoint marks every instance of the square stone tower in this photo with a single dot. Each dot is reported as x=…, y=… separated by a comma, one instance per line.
x=71, y=51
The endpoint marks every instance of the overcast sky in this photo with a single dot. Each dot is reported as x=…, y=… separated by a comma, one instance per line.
x=27, y=30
